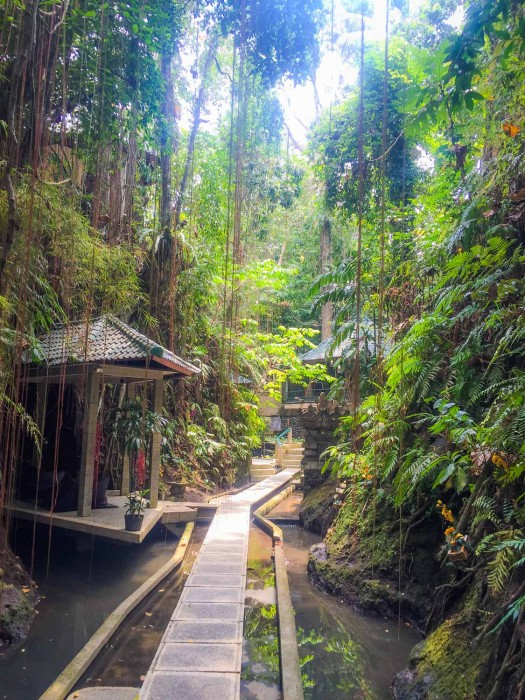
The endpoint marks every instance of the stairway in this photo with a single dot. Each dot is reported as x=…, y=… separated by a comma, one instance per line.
x=262, y=468
x=292, y=456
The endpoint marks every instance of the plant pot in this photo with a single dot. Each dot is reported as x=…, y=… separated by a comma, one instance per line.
x=133, y=522
x=458, y=554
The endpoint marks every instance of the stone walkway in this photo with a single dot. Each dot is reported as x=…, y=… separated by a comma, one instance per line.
x=199, y=656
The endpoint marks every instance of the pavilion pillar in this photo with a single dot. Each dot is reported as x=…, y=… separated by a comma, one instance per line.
x=154, y=464
x=89, y=439
x=126, y=476
x=40, y=415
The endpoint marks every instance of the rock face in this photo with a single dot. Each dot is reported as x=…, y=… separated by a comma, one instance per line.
x=16, y=614
x=317, y=509
x=18, y=598
x=406, y=686
x=359, y=562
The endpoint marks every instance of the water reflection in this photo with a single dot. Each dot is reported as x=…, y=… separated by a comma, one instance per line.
x=86, y=580
x=355, y=656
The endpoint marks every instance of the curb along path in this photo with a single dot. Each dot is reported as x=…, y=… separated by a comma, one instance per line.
x=199, y=656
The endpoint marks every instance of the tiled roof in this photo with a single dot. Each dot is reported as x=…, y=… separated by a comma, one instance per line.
x=323, y=351
x=108, y=340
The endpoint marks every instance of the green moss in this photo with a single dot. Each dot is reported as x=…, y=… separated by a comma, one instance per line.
x=362, y=531
x=455, y=666
x=16, y=613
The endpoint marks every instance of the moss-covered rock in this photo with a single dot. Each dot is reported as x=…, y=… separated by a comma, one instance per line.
x=16, y=614
x=18, y=598
x=445, y=666
x=352, y=584
x=361, y=562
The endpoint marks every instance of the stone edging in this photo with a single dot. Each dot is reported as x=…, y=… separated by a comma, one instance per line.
x=59, y=689
x=291, y=680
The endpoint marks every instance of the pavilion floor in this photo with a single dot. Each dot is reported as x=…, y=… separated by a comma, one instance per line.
x=109, y=522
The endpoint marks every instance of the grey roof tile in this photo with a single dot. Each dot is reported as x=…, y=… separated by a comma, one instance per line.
x=105, y=339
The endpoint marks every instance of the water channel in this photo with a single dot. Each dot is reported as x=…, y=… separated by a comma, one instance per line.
x=352, y=656
x=346, y=654
x=85, y=581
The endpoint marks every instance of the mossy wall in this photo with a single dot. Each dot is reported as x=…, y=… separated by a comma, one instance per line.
x=365, y=551
x=317, y=509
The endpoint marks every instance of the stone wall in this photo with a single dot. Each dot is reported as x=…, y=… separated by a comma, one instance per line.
x=294, y=422
x=318, y=421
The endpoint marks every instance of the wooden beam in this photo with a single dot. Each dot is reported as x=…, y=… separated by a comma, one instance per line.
x=175, y=367
x=123, y=372
x=112, y=374
x=154, y=464
x=53, y=375
x=89, y=439
x=40, y=420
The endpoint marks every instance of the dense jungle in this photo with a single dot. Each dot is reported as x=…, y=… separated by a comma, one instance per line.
x=229, y=177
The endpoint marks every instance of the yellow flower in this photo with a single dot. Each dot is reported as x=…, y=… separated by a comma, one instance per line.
x=449, y=530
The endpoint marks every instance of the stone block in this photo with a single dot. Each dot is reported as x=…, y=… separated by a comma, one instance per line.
x=174, y=685
x=209, y=611
x=214, y=658
x=214, y=580
x=206, y=566
x=200, y=594
x=204, y=631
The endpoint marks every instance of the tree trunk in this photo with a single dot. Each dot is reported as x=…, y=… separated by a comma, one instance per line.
x=25, y=47
x=168, y=141
x=197, y=109
x=325, y=255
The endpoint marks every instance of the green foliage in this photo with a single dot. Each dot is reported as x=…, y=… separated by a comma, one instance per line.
x=281, y=35
x=272, y=358
x=445, y=418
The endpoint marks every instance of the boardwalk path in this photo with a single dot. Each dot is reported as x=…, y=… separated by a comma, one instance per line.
x=199, y=657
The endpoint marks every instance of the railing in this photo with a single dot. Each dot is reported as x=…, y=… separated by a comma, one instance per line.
x=280, y=439
x=303, y=394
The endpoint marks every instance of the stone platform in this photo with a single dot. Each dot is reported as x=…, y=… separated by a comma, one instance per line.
x=109, y=522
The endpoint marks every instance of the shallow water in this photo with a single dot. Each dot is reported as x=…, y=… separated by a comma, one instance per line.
x=87, y=579
x=126, y=658
x=355, y=655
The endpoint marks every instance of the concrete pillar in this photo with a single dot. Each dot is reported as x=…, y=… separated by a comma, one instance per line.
x=154, y=464
x=126, y=477
x=89, y=439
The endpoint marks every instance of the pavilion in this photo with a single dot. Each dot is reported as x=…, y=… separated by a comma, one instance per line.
x=90, y=355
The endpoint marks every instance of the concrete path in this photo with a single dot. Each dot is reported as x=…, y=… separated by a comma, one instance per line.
x=199, y=656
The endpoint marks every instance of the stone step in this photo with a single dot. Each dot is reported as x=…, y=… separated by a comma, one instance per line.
x=293, y=450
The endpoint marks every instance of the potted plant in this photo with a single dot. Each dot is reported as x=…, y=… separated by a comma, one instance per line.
x=136, y=504
x=458, y=547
